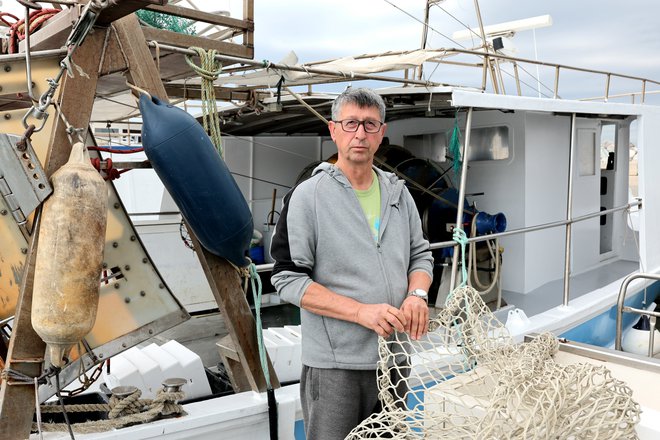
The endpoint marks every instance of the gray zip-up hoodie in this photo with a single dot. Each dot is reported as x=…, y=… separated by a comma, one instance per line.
x=322, y=235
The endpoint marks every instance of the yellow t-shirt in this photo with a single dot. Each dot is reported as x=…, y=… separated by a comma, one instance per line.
x=370, y=201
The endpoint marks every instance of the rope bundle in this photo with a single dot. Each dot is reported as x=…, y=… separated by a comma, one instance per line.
x=209, y=70
x=126, y=411
x=17, y=29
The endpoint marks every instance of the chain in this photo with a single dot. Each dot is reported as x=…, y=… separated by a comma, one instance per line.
x=78, y=34
x=86, y=381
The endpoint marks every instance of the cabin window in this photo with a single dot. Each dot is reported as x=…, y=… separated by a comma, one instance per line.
x=432, y=146
x=486, y=143
x=607, y=146
x=489, y=143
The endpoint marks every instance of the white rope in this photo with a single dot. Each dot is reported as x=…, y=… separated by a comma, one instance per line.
x=473, y=271
x=37, y=407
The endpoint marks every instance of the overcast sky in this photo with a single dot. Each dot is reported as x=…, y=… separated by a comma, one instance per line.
x=616, y=36
x=621, y=37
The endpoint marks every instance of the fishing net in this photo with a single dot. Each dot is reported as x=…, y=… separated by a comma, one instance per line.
x=469, y=380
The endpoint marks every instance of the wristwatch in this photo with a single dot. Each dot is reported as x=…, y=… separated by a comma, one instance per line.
x=420, y=293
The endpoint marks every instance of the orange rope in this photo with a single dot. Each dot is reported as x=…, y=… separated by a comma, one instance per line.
x=4, y=20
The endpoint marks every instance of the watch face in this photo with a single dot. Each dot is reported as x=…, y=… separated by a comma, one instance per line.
x=419, y=293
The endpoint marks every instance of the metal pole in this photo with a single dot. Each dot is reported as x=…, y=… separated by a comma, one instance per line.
x=556, y=82
x=652, y=321
x=265, y=64
x=607, y=87
x=28, y=58
x=621, y=300
x=499, y=75
x=569, y=210
x=517, y=76
x=461, y=196
x=643, y=91
x=487, y=63
x=425, y=33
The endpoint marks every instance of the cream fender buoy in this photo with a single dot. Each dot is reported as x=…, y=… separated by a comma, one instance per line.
x=636, y=339
x=70, y=256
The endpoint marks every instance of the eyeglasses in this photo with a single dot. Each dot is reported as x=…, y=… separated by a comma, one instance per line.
x=352, y=125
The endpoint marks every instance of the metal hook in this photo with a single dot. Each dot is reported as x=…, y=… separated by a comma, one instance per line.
x=28, y=67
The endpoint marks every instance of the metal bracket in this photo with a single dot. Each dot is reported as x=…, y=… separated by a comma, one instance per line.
x=23, y=182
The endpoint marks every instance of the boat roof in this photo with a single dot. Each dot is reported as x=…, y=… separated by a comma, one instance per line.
x=286, y=115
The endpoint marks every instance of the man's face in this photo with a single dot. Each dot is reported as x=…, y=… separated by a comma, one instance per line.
x=358, y=147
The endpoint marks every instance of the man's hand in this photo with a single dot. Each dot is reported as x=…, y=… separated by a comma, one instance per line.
x=416, y=315
x=381, y=318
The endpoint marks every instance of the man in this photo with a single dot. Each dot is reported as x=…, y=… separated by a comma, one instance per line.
x=349, y=251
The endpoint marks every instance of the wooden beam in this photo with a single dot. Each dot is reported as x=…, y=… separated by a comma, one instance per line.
x=225, y=284
x=124, y=8
x=186, y=41
x=142, y=70
x=195, y=92
x=223, y=279
x=232, y=362
x=26, y=349
x=26, y=356
x=113, y=58
x=205, y=17
x=55, y=31
x=248, y=15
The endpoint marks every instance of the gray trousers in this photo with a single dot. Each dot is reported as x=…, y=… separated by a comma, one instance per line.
x=336, y=401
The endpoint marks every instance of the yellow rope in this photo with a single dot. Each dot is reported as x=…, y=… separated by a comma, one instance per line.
x=208, y=71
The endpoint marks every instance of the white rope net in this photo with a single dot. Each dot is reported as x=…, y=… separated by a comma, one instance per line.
x=470, y=381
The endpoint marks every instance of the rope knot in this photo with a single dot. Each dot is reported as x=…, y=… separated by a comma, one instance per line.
x=121, y=407
x=460, y=238
x=166, y=402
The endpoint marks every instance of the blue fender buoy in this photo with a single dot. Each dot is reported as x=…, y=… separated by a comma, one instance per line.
x=197, y=178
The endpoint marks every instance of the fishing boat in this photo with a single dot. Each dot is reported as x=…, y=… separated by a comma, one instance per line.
x=559, y=220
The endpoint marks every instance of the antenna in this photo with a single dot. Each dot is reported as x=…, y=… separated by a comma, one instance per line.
x=499, y=35
x=506, y=29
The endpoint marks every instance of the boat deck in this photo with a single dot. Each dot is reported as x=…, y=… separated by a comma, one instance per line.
x=551, y=294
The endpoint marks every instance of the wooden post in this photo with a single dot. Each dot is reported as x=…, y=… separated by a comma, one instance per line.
x=225, y=284
x=248, y=17
x=223, y=279
x=26, y=349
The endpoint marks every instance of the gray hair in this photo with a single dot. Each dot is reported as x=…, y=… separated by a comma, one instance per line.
x=362, y=97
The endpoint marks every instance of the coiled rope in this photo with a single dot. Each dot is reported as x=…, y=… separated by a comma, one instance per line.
x=209, y=70
x=122, y=412
x=17, y=29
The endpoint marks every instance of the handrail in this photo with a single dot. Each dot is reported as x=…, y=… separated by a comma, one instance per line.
x=444, y=244
x=313, y=67
x=555, y=65
x=620, y=309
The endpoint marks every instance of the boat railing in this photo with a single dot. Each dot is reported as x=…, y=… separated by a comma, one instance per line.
x=491, y=63
x=498, y=82
x=445, y=244
x=621, y=308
